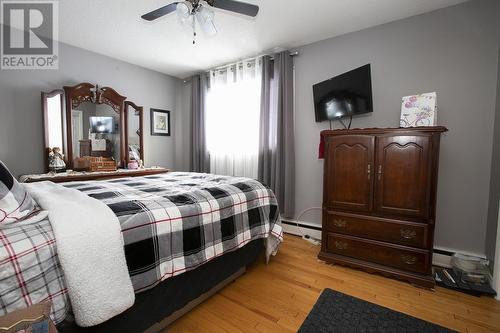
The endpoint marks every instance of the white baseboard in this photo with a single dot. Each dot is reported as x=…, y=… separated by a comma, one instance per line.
x=468, y=253
x=301, y=230
x=441, y=260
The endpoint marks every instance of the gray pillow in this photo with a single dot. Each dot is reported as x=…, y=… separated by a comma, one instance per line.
x=16, y=204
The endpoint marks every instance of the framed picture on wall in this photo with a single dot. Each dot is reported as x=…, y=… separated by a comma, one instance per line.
x=160, y=122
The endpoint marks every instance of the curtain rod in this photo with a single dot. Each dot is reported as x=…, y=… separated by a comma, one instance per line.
x=292, y=54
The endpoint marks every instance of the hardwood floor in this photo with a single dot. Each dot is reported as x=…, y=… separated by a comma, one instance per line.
x=277, y=297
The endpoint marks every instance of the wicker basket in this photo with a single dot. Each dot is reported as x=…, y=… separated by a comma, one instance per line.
x=94, y=164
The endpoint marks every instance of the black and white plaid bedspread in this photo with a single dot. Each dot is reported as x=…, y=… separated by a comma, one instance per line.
x=171, y=223
x=174, y=222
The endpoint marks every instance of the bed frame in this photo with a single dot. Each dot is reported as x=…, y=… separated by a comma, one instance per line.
x=158, y=327
x=153, y=312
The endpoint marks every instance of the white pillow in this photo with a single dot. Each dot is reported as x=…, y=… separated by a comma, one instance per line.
x=16, y=204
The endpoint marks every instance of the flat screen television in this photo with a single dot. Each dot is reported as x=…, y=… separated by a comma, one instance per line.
x=101, y=124
x=345, y=95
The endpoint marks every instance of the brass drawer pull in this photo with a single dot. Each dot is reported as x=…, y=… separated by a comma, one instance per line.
x=339, y=223
x=340, y=245
x=408, y=259
x=379, y=172
x=408, y=233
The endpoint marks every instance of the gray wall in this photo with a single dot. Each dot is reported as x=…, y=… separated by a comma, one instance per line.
x=491, y=230
x=21, y=133
x=453, y=51
x=183, y=127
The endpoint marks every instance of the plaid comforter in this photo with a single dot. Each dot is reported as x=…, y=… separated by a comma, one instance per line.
x=30, y=271
x=175, y=222
x=171, y=223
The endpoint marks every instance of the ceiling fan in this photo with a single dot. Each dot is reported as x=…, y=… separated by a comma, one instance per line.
x=190, y=11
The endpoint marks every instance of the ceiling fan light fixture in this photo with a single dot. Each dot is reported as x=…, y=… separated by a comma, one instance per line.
x=205, y=18
x=183, y=11
x=206, y=12
x=202, y=9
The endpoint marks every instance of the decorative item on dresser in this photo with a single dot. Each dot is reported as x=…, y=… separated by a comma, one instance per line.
x=379, y=200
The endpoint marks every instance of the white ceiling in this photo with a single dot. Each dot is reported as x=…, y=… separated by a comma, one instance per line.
x=114, y=28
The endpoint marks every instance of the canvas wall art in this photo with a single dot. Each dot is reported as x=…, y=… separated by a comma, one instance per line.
x=419, y=110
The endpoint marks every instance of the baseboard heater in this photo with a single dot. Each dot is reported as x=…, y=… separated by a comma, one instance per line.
x=440, y=257
x=305, y=226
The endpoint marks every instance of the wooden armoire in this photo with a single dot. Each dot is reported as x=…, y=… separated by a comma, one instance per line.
x=379, y=200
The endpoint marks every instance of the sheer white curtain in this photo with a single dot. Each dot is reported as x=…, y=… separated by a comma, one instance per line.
x=233, y=114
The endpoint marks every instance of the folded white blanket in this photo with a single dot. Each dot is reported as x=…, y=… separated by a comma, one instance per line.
x=90, y=249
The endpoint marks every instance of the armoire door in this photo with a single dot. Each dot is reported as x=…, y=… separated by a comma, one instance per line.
x=402, y=176
x=349, y=173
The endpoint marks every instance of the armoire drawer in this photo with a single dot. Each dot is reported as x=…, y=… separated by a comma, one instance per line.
x=393, y=231
x=408, y=259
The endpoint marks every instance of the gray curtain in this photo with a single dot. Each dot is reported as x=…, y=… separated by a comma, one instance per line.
x=200, y=159
x=276, y=141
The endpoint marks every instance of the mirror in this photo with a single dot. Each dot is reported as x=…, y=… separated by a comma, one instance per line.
x=134, y=143
x=54, y=120
x=95, y=128
x=95, y=131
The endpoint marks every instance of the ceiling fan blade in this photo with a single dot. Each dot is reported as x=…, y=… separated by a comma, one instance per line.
x=235, y=6
x=160, y=12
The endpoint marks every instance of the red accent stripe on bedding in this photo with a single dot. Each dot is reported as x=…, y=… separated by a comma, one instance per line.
x=17, y=269
x=193, y=215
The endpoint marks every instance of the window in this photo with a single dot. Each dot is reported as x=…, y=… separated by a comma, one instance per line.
x=233, y=113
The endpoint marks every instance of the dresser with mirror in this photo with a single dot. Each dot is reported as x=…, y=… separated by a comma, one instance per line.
x=95, y=126
x=91, y=132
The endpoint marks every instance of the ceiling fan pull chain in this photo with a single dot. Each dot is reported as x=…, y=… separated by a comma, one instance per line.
x=194, y=32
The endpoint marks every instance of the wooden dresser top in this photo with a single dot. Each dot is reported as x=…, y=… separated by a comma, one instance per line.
x=398, y=130
x=83, y=176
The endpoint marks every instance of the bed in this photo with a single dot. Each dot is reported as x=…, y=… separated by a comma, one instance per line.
x=185, y=235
